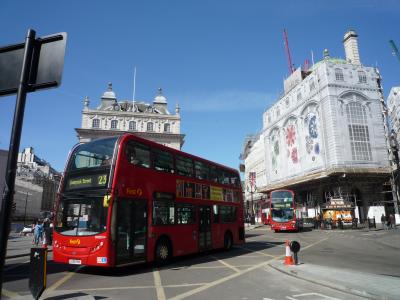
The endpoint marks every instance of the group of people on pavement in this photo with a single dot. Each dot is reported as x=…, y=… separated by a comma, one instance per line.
x=388, y=221
x=42, y=232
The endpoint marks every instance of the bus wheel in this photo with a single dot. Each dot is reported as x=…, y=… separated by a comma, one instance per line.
x=228, y=241
x=163, y=251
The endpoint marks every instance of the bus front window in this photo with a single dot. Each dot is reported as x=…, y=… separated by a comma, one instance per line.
x=84, y=216
x=282, y=215
x=94, y=154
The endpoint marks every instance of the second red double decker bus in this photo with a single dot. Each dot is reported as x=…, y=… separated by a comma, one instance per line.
x=124, y=200
x=284, y=215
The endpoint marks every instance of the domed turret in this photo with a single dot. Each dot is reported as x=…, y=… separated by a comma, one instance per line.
x=109, y=98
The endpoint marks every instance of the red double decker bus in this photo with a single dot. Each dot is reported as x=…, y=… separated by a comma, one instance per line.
x=125, y=200
x=284, y=215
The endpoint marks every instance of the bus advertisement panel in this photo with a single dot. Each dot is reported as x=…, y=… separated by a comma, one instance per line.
x=124, y=200
x=283, y=211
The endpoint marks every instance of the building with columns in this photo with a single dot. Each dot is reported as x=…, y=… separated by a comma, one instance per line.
x=152, y=121
x=325, y=137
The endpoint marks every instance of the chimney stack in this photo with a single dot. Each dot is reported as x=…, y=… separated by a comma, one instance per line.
x=351, y=47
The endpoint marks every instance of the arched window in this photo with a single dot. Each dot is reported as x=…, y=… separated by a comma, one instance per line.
x=114, y=124
x=358, y=131
x=362, y=78
x=96, y=123
x=150, y=126
x=132, y=125
x=167, y=127
x=339, y=75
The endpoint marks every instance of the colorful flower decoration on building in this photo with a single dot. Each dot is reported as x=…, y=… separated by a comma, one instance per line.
x=290, y=135
x=294, y=155
x=312, y=127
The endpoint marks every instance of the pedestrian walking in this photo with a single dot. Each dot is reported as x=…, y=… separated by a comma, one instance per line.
x=392, y=221
x=383, y=221
x=387, y=222
x=37, y=232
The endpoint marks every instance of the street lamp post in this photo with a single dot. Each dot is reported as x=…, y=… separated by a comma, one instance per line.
x=26, y=203
x=252, y=188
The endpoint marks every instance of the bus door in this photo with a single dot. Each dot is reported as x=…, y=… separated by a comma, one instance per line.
x=205, y=241
x=131, y=230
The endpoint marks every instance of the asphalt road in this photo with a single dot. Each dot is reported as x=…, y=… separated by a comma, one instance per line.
x=242, y=273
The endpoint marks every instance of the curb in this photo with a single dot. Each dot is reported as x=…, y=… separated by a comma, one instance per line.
x=338, y=287
x=24, y=254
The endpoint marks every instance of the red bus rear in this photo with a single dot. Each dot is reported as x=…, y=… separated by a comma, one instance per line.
x=284, y=215
x=125, y=200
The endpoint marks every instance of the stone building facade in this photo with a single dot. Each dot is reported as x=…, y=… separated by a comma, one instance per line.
x=325, y=137
x=151, y=121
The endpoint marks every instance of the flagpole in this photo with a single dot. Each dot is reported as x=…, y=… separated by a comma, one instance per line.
x=134, y=89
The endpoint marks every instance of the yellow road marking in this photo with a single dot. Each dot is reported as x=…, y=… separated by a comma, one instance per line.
x=158, y=285
x=232, y=276
x=63, y=280
x=225, y=264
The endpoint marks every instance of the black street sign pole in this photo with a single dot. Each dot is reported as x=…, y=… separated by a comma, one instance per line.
x=8, y=195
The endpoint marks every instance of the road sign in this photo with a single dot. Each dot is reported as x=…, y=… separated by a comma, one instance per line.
x=40, y=66
x=45, y=71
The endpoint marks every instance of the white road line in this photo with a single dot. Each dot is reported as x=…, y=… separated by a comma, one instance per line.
x=225, y=264
x=158, y=285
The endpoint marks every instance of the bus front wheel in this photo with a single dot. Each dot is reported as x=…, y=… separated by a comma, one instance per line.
x=228, y=241
x=163, y=251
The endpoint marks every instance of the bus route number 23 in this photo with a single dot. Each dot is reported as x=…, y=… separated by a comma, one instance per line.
x=102, y=179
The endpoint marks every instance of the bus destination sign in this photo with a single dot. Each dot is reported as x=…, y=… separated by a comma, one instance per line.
x=98, y=180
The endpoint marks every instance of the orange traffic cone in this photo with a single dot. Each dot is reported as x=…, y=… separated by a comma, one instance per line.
x=288, y=256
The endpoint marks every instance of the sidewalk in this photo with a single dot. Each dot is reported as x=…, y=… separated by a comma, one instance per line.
x=370, y=286
x=248, y=226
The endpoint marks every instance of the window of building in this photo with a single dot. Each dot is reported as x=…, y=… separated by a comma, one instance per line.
x=132, y=125
x=163, y=161
x=358, y=132
x=184, y=166
x=167, y=127
x=362, y=77
x=228, y=213
x=138, y=154
x=163, y=212
x=185, y=213
x=114, y=124
x=150, y=126
x=96, y=123
x=339, y=74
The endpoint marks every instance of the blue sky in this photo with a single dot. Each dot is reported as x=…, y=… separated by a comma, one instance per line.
x=222, y=61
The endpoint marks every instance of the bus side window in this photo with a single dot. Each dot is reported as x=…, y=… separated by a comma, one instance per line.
x=201, y=170
x=215, y=213
x=138, y=154
x=163, y=161
x=184, y=166
x=163, y=212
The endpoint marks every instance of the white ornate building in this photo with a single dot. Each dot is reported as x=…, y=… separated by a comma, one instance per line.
x=150, y=121
x=393, y=103
x=325, y=136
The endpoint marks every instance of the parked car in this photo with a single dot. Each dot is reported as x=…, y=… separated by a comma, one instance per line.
x=26, y=230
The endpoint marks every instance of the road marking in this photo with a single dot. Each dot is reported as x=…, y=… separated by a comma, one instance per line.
x=9, y=294
x=219, y=281
x=158, y=285
x=232, y=276
x=315, y=294
x=225, y=264
x=256, y=251
x=63, y=280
